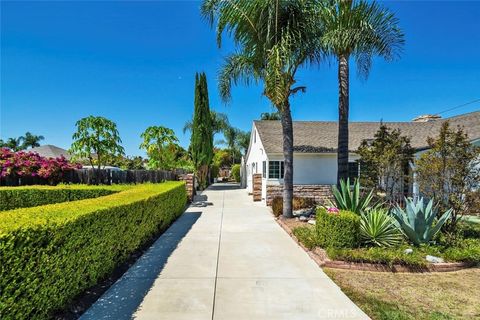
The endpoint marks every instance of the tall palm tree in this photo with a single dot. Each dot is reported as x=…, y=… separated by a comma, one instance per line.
x=270, y=116
x=31, y=140
x=273, y=39
x=219, y=122
x=362, y=30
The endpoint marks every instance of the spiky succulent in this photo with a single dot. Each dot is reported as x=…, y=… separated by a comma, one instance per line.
x=378, y=228
x=417, y=221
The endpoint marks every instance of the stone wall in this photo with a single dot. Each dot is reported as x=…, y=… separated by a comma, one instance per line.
x=257, y=187
x=189, y=184
x=319, y=192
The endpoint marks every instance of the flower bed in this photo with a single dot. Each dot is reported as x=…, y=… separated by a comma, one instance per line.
x=51, y=253
x=463, y=253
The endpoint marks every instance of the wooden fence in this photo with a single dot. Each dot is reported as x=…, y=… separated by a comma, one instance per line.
x=106, y=176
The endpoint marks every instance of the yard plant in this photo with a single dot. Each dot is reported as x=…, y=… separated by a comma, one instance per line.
x=50, y=254
x=378, y=228
x=351, y=199
x=417, y=221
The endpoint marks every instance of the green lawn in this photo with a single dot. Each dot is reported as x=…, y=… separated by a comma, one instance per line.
x=415, y=296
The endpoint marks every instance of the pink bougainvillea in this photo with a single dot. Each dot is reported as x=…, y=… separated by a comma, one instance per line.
x=333, y=210
x=31, y=164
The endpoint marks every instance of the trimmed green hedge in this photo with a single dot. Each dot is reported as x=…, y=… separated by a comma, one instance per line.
x=32, y=196
x=337, y=230
x=50, y=254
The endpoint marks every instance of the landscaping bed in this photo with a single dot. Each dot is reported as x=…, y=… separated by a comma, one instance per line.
x=50, y=254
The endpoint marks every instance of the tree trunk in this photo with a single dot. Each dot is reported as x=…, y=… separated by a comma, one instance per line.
x=287, y=130
x=343, y=107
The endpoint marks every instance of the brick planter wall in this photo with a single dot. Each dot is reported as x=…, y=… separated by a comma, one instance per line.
x=189, y=184
x=319, y=192
x=257, y=187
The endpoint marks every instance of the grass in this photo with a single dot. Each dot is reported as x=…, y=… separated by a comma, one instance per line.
x=405, y=296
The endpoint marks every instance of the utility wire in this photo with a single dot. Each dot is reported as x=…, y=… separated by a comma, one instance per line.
x=459, y=106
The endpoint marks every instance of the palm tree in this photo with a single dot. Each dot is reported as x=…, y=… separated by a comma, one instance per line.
x=273, y=39
x=219, y=123
x=270, y=116
x=231, y=135
x=243, y=141
x=362, y=30
x=31, y=140
x=14, y=144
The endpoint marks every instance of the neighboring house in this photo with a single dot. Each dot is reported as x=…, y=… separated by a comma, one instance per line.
x=51, y=151
x=315, y=144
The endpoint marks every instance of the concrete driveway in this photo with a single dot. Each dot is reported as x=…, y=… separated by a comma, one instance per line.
x=228, y=260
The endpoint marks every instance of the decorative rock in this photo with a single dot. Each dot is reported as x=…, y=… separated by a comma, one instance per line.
x=311, y=222
x=433, y=259
x=408, y=251
x=302, y=218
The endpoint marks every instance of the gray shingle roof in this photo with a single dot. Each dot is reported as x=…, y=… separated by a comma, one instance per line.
x=51, y=151
x=321, y=136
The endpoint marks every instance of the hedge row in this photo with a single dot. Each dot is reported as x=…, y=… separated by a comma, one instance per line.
x=24, y=197
x=50, y=254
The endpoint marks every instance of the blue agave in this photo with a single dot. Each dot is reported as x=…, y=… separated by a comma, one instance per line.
x=417, y=221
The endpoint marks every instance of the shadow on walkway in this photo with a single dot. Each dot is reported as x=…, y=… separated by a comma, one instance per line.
x=224, y=186
x=125, y=296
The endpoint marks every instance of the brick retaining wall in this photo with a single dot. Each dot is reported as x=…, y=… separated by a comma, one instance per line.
x=319, y=192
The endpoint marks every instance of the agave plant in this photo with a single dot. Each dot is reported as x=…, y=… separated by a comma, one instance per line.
x=417, y=221
x=351, y=200
x=378, y=228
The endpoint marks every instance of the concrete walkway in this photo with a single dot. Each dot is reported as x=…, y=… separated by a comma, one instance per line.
x=229, y=260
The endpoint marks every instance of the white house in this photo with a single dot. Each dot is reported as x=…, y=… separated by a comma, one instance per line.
x=315, y=158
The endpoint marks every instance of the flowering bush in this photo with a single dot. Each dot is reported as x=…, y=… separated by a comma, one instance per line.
x=31, y=164
x=333, y=210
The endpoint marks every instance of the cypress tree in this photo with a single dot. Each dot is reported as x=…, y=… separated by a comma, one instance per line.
x=201, y=142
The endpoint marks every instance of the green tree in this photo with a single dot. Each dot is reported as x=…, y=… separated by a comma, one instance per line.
x=30, y=140
x=243, y=141
x=362, y=30
x=96, y=139
x=14, y=144
x=161, y=146
x=270, y=116
x=219, y=123
x=384, y=162
x=449, y=171
x=201, y=142
x=273, y=39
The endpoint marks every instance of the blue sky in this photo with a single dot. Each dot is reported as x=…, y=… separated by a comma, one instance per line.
x=134, y=62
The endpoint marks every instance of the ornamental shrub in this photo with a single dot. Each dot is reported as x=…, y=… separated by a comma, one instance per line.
x=49, y=254
x=236, y=172
x=32, y=196
x=337, y=230
x=31, y=164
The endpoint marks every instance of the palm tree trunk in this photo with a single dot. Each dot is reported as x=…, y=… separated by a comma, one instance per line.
x=343, y=108
x=287, y=130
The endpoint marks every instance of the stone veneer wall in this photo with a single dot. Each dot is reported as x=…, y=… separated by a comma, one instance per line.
x=319, y=192
x=257, y=187
x=189, y=184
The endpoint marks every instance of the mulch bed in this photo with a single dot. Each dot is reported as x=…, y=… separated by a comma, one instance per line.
x=320, y=257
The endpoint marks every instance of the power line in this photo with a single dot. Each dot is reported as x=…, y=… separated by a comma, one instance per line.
x=459, y=106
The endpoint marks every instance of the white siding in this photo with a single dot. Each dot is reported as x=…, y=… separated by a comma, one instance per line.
x=256, y=156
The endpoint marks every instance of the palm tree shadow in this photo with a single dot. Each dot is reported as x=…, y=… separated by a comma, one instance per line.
x=124, y=297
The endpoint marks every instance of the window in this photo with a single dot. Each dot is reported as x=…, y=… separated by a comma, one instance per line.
x=254, y=136
x=276, y=169
x=353, y=171
x=264, y=169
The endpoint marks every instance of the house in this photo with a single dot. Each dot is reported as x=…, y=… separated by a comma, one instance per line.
x=315, y=158
x=51, y=151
